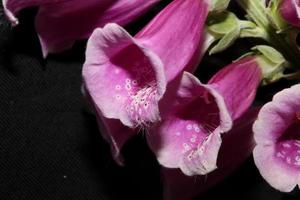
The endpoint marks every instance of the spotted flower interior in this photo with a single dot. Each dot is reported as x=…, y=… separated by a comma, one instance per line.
x=276, y=132
x=124, y=79
x=198, y=133
x=189, y=137
x=287, y=148
x=134, y=84
x=195, y=131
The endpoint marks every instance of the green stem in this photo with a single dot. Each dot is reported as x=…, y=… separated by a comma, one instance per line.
x=292, y=76
x=257, y=12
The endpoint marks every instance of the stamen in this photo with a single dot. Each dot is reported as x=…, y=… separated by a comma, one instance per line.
x=140, y=103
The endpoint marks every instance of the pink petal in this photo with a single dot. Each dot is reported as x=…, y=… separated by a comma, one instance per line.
x=290, y=11
x=176, y=35
x=113, y=57
x=112, y=130
x=12, y=7
x=278, y=175
x=238, y=83
x=124, y=79
x=60, y=25
x=189, y=138
x=238, y=142
x=276, y=116
x=277, y=154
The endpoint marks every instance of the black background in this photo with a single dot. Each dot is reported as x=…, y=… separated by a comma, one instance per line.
x=50, y=146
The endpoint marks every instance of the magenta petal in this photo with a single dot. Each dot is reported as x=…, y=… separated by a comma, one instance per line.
x=238, y=142
x=125, y=76
x=12, y=7
x=279, y=176
x=176, y=35
x=275, y=117
x=238, y=83
x=112, y=130
x=290, y=11
x=277, y=154
x=115, y=134
x=189, y=138
x=124, y=79
x=203, y=160
x=60, y=25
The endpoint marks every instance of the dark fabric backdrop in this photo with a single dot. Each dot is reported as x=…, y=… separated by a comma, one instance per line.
x=50, y=147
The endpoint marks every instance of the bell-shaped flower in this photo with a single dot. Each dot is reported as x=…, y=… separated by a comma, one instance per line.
x=290, y=11
x=59, y=23
x=190, y=136
x=277, y=135
x=237, y=146
x=125, y=77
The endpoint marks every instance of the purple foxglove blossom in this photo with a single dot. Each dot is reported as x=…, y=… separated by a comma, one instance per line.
x=276, y=132
x=126, y=77
x=290, y=11
x=60, y=23
x=237, y=145
x=190, y=136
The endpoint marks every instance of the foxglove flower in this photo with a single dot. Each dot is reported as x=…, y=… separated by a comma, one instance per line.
x=190, y=136
x=237, y=145
x=126, y=77
x=60, y=23
x=276, y=132
x=290, y=11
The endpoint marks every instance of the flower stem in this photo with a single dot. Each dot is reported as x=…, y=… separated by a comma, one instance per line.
x=256, y=10
x=292, y=76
